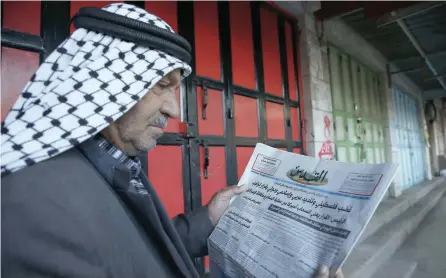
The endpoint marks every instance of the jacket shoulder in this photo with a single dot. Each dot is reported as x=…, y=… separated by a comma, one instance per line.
x=68, y=166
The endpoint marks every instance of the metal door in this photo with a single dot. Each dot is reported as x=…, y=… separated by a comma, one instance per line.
x=407, y=139
x=244, y=89
x=343, y=86
x=357, y=110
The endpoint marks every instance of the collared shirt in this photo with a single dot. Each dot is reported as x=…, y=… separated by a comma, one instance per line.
x=99, y=143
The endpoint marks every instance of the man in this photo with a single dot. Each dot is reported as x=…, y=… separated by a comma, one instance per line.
x=74, y=200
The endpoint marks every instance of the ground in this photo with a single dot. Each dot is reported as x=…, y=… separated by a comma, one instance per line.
x=427, y=244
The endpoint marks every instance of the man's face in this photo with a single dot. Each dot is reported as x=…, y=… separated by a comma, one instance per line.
x=138, y=129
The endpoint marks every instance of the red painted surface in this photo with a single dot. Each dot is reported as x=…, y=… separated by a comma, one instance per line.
x=292, y=82
x=17, y=67
x=275, y=120
x=207, y=43
x=167, y=10
x=295, y=132
x=271, y=54
x=243, y=156
x=213, y=125
x=296, y=150
x=241, y=45
x=216, y=173
x=23, y=16
x=245, y=114
x=168, y=186
x=76, y=5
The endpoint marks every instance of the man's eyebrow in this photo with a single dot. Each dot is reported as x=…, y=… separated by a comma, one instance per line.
x=165, y=80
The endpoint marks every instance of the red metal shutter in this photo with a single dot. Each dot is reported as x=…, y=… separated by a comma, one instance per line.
x=18, y=65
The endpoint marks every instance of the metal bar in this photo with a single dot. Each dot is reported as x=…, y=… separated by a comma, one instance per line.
x=407, y=12
x=244, y=91
x=335, y=9
x=294, y=41
x=274, y=98
x=173, y=139
x=246, y=141
x=54, y=26
x=441, y=52
x=406, y=30
x=407, y=70
x=294, y=103
x=372, y=10
x=285, y=82
x=277, y=143
x=213, y=140
x=23, y=41
x=186, y=29
x=435, y=77
x=211, y=83
x=228, y=104
x=258, y=62
x=192, y=187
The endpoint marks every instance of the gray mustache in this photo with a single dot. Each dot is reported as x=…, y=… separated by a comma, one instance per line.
x=161, y=122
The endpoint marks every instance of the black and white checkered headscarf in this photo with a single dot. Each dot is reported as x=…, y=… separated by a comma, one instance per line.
x=88, y=82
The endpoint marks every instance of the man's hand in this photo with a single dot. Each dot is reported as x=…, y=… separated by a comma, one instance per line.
x=323, y=272
x=220, y=201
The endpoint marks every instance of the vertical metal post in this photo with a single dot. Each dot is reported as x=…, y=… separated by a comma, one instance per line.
x=228, y=104
x=258, y=62
x=54, y=26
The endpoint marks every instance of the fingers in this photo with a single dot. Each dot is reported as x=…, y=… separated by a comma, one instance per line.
x=340, y=274
x=322, y=272
x=232, y=190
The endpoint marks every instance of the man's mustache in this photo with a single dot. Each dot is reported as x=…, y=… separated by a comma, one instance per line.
x=161, y=122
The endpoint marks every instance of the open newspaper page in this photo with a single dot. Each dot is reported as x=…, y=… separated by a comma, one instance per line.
x=299, y=212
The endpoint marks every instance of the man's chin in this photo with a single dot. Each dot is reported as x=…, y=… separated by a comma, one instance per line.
x=146, y=146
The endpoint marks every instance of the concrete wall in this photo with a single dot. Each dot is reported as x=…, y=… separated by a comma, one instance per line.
x=438, y=142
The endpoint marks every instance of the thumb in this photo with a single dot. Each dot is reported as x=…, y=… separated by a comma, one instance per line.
x=322, y=272
x=232, y=190
x=239, y=189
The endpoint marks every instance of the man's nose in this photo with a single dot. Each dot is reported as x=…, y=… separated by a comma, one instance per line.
x=170, y=107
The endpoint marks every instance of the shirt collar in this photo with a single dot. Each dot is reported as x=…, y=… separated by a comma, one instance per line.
x=133, y=164
x=107, y=158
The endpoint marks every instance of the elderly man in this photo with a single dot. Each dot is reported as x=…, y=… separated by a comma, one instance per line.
x=74, y=200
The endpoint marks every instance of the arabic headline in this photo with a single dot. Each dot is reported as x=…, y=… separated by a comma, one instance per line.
x=273, y=193
x=334, y=231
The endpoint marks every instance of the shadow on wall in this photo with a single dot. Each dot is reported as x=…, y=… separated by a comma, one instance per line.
x=442, y=164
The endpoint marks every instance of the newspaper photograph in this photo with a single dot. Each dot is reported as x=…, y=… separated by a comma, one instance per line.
x=298, y=212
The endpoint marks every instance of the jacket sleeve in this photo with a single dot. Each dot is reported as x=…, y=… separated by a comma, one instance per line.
x=194, y=229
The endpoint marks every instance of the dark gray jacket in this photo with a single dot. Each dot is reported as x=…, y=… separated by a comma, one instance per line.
x=62, y=218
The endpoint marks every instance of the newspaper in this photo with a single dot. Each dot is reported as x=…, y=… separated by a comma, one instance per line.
x=298, y=212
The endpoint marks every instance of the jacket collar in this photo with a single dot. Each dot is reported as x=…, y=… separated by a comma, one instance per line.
x=146, y=207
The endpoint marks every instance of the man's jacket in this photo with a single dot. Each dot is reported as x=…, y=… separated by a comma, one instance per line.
x=66, y=217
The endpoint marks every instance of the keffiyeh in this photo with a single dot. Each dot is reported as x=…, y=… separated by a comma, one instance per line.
x=88, y=82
